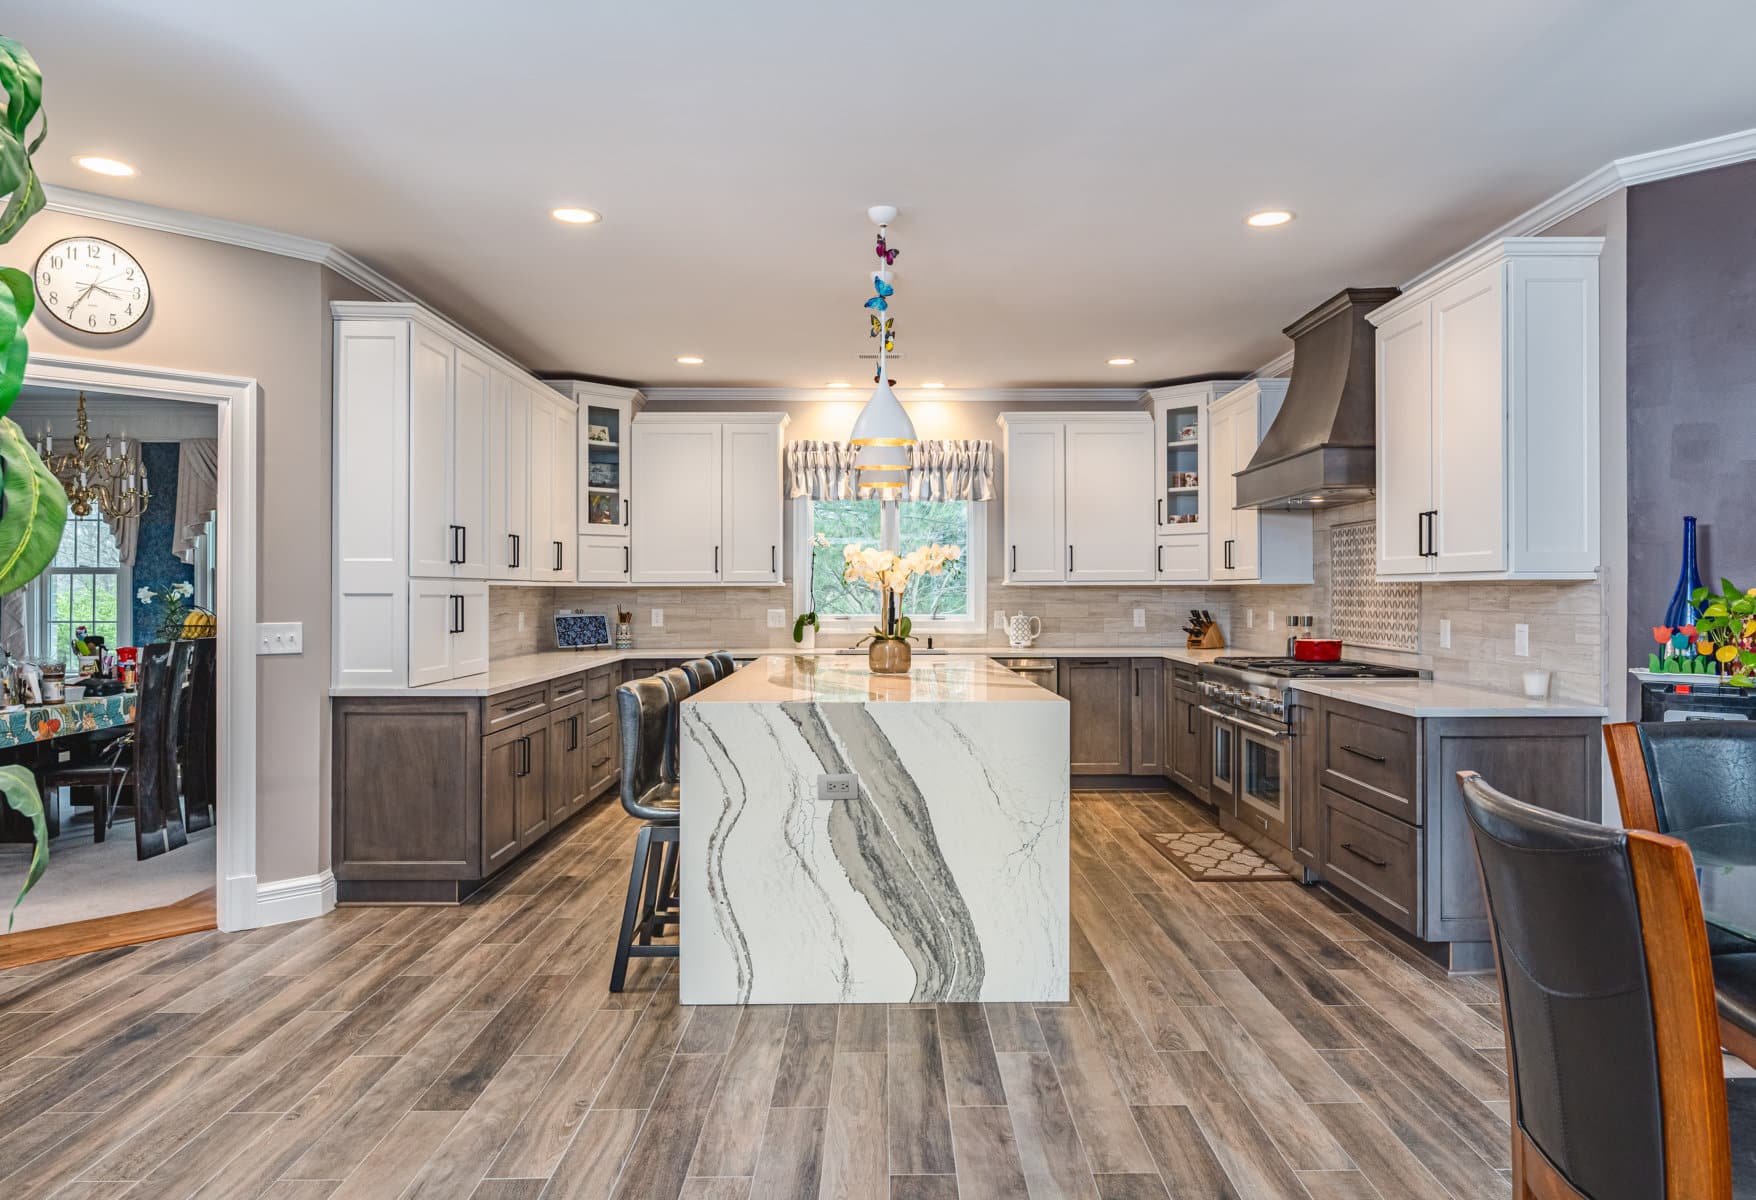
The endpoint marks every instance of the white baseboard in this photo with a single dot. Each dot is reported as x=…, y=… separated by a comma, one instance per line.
x=296, y=899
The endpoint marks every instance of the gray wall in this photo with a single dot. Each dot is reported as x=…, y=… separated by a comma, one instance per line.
x=232, y=311
x=1691, y=384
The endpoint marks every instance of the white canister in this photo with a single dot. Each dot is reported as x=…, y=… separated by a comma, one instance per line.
x=1536, y=685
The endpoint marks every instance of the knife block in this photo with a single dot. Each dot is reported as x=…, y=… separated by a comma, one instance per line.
x=1211, y=639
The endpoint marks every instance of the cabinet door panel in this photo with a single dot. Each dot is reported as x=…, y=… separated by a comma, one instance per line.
x=1405, y=442
x=562, y=544
x=1469, y=435
x=1097, y=691
x=508, y=539
x=502, y=760
x=602, y=561
x=432, y=613
x=676, y=526
x=430, y=398
x=1036, y=492
x=545, y=427
x=1110, y=532
x=469, y=645
x=532, y=806
x=470, y=445
x=1246, y=522
x=1222, y=490
x=1146, y=753
x=1182, y=558
x=750, y=517
x=568, y=762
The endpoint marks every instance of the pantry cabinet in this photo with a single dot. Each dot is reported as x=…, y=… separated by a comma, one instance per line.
x=1487, y=379
x=452, y=467
x=1078, y=488
x=1247, y=545
x=707, y=499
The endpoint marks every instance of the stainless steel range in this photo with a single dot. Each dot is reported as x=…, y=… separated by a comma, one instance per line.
x=1250, y=756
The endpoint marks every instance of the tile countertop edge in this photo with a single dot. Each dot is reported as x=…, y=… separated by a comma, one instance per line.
x=1426, y=698
x=530, y=670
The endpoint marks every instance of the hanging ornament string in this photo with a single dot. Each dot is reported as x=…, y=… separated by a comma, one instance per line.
x=883, y=325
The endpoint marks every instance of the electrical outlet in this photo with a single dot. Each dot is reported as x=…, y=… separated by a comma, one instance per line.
x=777, y=618
x=1140, y=618
x=521, y=620
x=1249, y=618
x=1521, y=640
x=658, y=618
x=838, y=787
x=1444, y=633
x=1271, y=618
x=284, y=638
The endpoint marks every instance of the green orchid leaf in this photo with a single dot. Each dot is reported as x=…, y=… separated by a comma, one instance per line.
x=33, y=510
x=903, y=626
x=20, y=789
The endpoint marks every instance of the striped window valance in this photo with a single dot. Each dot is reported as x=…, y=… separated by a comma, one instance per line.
x=938, y=470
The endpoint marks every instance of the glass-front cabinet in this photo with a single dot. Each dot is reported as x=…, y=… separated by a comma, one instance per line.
x=1180, y=455
x=606, y=466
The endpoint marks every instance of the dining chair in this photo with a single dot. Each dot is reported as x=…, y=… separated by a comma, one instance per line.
x=1673, y=776
x=197, y=759
x=1617, y=1087
x=644, y=711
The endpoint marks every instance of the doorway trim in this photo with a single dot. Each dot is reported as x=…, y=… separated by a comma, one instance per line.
x=237, y=401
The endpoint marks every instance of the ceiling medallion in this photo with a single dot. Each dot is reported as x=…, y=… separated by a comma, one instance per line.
x=883, y=431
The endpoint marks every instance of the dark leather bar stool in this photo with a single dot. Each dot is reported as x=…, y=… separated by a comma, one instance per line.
x=644, y=712
x=1602, y=955
x=702, y=673
x=723, y=659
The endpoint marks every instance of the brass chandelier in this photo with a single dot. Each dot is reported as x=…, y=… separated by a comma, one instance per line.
x=112, y=481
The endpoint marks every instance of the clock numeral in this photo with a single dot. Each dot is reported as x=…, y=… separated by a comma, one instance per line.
x=44, y=278
x=54, y=298
x=137, y=293
x=93, y=250
x=129, y=310
x=56, y=262
x=130, y=274
x=112, y=320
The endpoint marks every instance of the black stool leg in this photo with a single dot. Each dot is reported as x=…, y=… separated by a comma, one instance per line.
x=631, y=907
x=649, y=918
x=667, y=901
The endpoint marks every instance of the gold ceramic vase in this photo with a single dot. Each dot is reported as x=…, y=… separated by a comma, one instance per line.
x=889, y=657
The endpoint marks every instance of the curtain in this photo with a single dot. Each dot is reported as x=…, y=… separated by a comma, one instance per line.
x=197, y=496
x=938, y=470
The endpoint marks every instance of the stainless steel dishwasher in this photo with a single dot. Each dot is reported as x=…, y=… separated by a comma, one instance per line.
x=1044, y=672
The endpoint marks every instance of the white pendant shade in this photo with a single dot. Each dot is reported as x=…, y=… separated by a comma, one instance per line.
x=883, y=422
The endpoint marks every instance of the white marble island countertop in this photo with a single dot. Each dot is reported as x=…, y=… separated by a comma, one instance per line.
x=935, y=869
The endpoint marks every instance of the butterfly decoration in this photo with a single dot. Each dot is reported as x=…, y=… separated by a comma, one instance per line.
x=880, y=301
x=886, y=253
x=883, y=326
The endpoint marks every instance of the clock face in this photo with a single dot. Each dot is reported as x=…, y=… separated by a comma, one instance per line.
x=92, y=285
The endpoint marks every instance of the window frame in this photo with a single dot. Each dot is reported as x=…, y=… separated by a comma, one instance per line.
x=975, y=560
x=39, y=605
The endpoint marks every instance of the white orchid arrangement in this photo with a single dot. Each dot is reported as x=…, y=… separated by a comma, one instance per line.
x=889, y=573
x=176, y=598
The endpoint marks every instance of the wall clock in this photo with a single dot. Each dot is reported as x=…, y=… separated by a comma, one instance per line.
x=92, y=285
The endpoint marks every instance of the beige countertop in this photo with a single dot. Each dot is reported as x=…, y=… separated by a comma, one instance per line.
x=1426, y=698
x=954, y=678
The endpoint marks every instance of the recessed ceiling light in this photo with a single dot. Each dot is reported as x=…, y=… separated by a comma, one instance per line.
x=1121, y=362
x=577, y=216
x=1268, y=218
x=104, y=166
x=690, y=360
x=935, y=385
x=839, y=383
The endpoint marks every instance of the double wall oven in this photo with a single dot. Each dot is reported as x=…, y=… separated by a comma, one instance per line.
x=1250, y=752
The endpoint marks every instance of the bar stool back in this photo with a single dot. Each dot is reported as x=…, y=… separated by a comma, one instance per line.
x=645, y=713
x=724, y=660
x=702, y=672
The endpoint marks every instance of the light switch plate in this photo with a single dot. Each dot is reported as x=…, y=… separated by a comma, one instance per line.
x=658, y=617
x=838, y=787
x=1521, y=640
x=777, y=618
x=286, y=637
x=1444, y=633
x=1140, y=618
x=1271, y=618
x=1249, y=618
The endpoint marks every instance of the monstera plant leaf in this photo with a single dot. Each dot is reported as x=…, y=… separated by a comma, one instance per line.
x=33, y=510
x=20, y=790
x=21, y=83
x=17, y=300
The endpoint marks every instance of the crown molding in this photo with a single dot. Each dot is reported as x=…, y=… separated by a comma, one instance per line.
x=740, y=396
x=1626, y=172
x=77, y=203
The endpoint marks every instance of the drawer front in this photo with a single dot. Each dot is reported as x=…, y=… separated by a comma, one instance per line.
x=1186, y=679
x=599, y=683
x=566, y=691
x=1371, y=757
x=600, y=711
x=1373, y=858
x=509, y=709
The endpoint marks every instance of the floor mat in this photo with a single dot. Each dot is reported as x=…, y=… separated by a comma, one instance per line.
x=1209, y=855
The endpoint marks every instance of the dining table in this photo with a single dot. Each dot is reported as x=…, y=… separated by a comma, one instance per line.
x=1725, y=875
x=34, y=736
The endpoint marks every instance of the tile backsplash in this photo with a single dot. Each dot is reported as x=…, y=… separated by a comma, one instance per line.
x=1568, y=624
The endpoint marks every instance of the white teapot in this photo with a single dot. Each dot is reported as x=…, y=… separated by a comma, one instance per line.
x=1021, y=630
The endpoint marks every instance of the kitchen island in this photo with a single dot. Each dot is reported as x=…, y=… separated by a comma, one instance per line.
x=939, y=872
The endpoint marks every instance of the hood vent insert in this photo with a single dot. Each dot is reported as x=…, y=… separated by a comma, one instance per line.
x=1321, y=445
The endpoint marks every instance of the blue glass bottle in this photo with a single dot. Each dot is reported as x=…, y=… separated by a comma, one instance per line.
x=1683, y=610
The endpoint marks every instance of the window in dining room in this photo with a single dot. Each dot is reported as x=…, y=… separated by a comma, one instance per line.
x=84, y=586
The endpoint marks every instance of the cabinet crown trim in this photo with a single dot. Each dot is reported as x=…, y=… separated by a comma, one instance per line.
x=1504, y=250
x=379, y=310
x=1005, y=419
x=712, y=418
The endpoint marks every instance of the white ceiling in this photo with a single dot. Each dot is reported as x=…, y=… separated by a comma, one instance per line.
x=1073, y=176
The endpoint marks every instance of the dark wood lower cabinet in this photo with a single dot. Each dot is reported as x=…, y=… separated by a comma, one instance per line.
x=433, y=796
x=1146, y=718
x=1186, y=734
x=1098, y=692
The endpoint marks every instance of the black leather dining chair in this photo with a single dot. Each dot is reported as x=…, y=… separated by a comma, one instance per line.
x=645, y=709
x=702, y=673
x=723, y=659
x=1617, y=1086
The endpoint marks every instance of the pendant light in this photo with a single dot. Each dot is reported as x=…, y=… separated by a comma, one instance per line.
x=883, y=432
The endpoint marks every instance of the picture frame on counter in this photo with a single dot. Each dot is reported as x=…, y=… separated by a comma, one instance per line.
x=578, y=629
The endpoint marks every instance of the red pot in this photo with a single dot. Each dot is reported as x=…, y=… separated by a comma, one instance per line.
x=1317, y=649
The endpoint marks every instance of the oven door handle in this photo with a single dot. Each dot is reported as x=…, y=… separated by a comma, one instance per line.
x=1265, y=731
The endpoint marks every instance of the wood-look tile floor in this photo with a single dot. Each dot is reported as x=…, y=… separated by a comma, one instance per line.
x=1224, y=1040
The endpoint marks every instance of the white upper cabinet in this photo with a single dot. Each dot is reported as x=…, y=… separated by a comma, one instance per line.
x=470, y=445
x=432, y=539
x=509, y=545
x=1078, y=498
x=707, y=504
x=1246, y=545
x=604, y=474
x=1182, y=476
x=559, y=556
x=1488, y=416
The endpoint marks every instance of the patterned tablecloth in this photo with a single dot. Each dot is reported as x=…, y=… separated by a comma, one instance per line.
x=40, y=723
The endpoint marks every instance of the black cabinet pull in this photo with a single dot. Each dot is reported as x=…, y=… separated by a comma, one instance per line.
x=1191, y=710
x=463, y=543
x=627, y=561
x=1420, y=535
x=1432, y=533
x=772, y=565
x=559, y=549
x=1365, y=754
x=452, y=558
x=1161, y=560
x=1070, y=560
x=716, y=560
x=627, y=513
x=572, y=733
x=1361, y=854
x=514, y=562
x=456, y=623
x=1015, y=558
x=1161, y=510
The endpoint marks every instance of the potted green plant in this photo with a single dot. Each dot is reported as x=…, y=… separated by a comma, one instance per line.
x=1725, y=632
x=807, y=623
